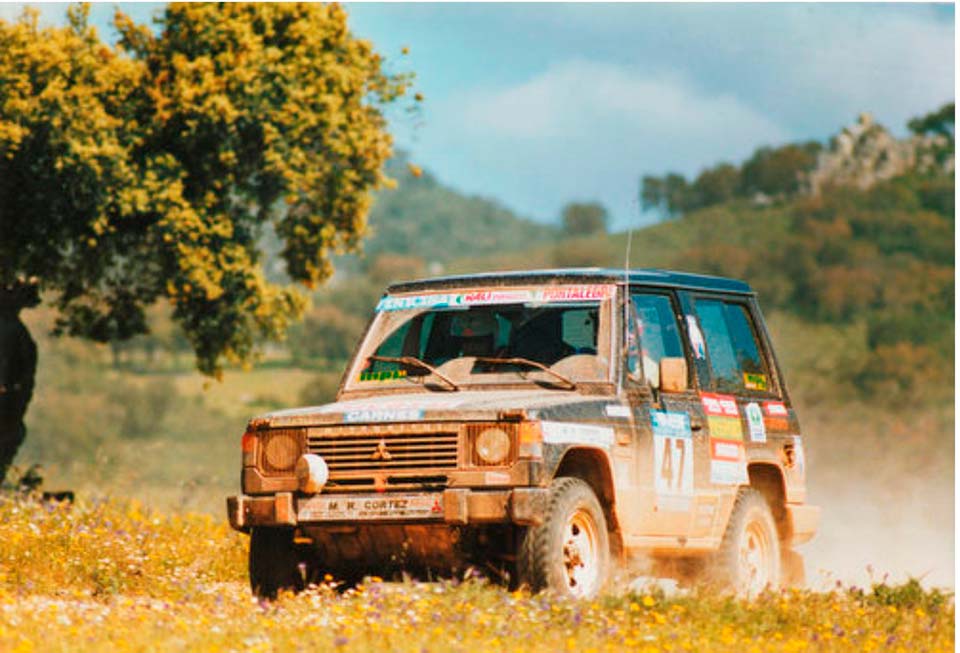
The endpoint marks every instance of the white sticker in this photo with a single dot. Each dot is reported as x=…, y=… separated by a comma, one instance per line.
x=616, y=410
x=672, y=457
x=406, y=415
x=800, y=460
x=727, y=472
x=758, y=431
x=569, y=433
x=696, y=338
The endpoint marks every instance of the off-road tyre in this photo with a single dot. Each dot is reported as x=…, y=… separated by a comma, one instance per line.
x=273, y=563
x=748, y=560
x=569, y=553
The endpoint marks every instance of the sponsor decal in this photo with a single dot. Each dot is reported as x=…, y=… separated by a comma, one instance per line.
x=575, y=293
x=758, y=431
x=727, y=428
x=337, y=508
x=383, y=415
x=616, y=410
x=672, y=459
x=800, y=459
x=696, y=337
x=670, y=425
x=385, y=375
x=728, y=460
x=774, y=409
x=719, y=405
x=570, y=433
x=755, y=381
x=502, y=296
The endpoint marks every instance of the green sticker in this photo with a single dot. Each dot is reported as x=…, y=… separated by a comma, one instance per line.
x=754, y=381
x=386, y=375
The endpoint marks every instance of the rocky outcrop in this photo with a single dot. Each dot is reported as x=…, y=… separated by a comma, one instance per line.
x=866, y=153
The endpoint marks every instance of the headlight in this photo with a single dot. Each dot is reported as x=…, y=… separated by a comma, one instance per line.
x=280, y=450
x=493, y=446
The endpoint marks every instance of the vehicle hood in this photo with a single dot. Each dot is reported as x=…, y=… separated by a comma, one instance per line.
x=452, y=406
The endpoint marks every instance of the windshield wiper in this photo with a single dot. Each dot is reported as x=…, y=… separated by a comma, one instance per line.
x=571, y=385
x=416, y=362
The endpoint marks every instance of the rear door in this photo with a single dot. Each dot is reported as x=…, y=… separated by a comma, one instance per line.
x=740, y=391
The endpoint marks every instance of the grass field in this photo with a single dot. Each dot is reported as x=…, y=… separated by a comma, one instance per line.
x=114, y=576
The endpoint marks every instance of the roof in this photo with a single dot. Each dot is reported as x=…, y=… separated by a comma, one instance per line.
x=652, y=277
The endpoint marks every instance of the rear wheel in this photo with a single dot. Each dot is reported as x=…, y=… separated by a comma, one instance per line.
x=273, y=563
x=569, y=552
x=749, y=557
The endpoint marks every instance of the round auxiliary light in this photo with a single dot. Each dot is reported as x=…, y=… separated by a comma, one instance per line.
x=492, y=446
x=280, y=451
x=312, y=473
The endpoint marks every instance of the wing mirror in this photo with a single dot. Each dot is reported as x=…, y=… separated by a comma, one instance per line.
x=673, y=374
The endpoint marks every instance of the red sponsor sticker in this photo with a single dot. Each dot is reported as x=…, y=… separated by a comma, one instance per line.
x=775, y=409
x=568, y=293
x=726, y=450
x=719, y=405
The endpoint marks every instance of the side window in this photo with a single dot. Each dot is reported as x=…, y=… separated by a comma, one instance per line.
x=658, y=332
x=735, y=361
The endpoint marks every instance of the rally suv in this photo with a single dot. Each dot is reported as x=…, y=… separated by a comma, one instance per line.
x=543, y=425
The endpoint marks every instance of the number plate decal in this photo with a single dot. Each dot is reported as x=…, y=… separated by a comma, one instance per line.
x=672, y=459
x=371, y=507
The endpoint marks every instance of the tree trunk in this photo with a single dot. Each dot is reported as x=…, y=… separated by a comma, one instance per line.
x=18, y=366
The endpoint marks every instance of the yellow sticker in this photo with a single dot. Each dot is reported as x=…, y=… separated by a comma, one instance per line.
x=725, y=428
x=754, y=381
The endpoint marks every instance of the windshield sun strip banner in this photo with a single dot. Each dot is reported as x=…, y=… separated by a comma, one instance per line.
x=551, y=294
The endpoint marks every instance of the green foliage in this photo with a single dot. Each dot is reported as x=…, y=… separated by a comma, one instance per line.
x=939, y=122
x=149, y=170
x=326, y=335
x=778, y=172
x=321, y=389
x=584, y=219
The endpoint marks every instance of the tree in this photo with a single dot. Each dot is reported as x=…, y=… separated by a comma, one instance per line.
x=584, y=219
x=939, y=122
x=779, y=171
x=148, y=170
x=716, y=185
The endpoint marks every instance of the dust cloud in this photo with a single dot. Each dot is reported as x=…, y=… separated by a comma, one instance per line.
x=881, y=521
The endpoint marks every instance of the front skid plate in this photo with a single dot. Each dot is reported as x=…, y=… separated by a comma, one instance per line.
x=371, y=507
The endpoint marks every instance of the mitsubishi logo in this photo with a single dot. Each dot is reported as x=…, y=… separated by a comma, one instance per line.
x=381, y=453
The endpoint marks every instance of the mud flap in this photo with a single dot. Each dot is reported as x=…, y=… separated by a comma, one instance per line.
x=793, y=569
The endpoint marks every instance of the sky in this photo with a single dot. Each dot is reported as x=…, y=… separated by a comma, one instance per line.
x=538, y=105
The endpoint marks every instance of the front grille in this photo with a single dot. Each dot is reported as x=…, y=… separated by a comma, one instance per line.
x=384, y=448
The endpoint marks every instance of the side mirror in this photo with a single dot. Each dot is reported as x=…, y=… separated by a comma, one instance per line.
x=673, y=374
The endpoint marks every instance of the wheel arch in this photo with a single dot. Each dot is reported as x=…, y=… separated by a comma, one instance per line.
x=768, y=480
x=593, y=467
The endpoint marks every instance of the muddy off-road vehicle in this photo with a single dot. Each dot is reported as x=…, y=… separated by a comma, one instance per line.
x=544, y=426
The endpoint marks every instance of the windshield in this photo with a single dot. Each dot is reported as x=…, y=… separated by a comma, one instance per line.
x=556, y=336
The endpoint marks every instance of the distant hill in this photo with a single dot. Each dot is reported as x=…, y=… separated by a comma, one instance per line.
x=422, y=217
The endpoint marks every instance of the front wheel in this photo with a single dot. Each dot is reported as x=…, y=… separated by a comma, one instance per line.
x=569, y=553
x=273, y=562
x=749, y=557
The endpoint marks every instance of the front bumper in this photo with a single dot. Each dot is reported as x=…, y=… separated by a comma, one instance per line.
x=525, y=506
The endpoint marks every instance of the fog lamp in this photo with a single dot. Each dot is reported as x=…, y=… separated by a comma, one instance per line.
x=312, y=473
x=492, y=446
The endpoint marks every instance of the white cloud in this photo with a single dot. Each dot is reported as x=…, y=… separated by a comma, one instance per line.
x=586, y=130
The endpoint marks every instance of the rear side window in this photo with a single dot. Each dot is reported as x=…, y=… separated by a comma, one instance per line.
x=736, y=364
